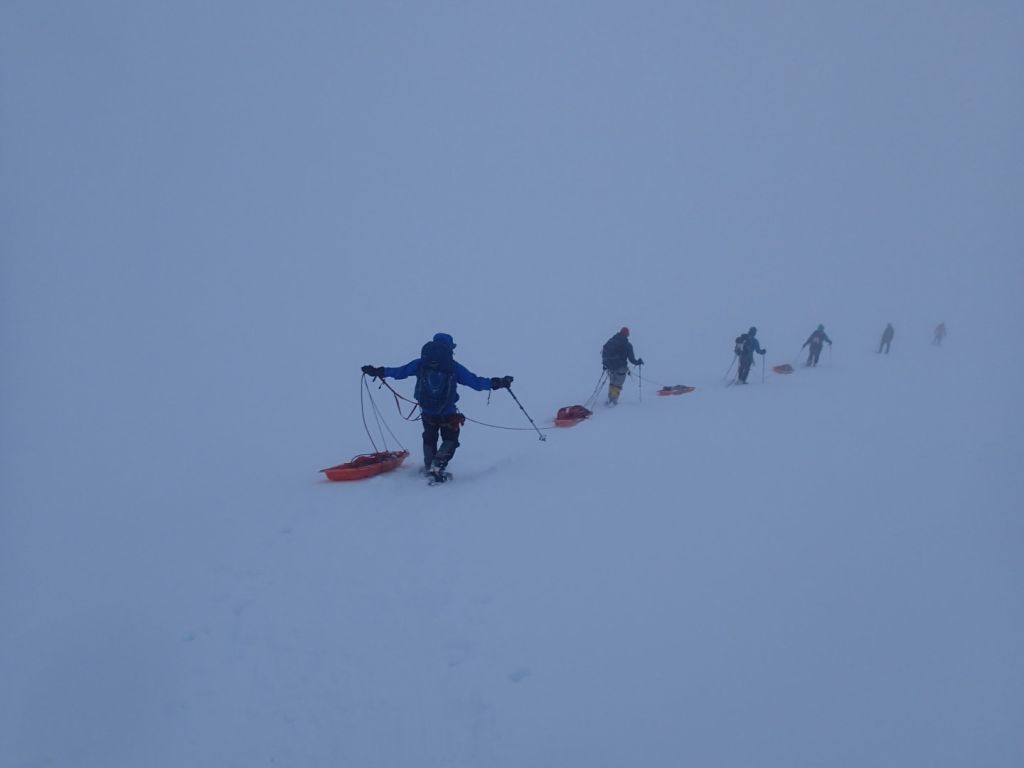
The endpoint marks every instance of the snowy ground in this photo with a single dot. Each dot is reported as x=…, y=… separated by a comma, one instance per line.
x=211, y=217
x=799, y=572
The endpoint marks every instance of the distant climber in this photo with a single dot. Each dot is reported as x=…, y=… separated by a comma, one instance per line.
x=816, y=341
x=437, y=375
x=615, y=353
x=887, y=335
x=940, y=334
x=746, y=345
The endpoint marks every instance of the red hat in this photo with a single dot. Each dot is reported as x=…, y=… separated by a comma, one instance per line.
x=624, y=331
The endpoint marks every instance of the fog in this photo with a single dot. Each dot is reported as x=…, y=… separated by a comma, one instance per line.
x=212, y=214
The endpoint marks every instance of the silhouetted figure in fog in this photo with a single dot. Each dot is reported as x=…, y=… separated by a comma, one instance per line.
x=816, y=341
x=615, y=354
x=887, y=335
x=940, y=334
x=746, y=345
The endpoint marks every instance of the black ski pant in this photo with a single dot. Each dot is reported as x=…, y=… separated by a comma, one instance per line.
x=447, y=427
x=886, y=343
x=744, y=371
x=812, y=358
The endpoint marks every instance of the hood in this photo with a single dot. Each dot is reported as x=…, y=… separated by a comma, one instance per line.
x=446, y=339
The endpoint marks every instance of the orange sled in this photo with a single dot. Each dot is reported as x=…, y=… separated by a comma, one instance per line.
x=571, y=415
x=678, y=389
x=786, y=368
x=366, y=465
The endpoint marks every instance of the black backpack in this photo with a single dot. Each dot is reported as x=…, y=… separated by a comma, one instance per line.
x=435, y=382
x=741, y=344
x=613, y=353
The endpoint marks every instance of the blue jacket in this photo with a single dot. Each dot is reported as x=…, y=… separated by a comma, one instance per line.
x=462, y=376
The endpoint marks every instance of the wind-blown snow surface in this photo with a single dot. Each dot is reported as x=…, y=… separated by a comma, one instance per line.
x=212, y=216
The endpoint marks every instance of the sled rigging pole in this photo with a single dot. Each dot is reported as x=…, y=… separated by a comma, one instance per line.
x=589, y=402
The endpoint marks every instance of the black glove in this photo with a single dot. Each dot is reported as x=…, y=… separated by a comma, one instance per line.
x=764, y=351
x=503, y=383
x=371, y=370
x=640, y=361
x=830, y=343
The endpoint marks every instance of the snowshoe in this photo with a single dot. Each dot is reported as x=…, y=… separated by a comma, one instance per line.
x=438, y=477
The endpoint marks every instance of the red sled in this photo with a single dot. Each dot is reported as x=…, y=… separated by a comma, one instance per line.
x=367, y=465
x=571, y=415
x=678, y=389
x=785, y=368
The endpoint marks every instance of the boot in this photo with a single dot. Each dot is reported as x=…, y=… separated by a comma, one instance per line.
x=437, y=472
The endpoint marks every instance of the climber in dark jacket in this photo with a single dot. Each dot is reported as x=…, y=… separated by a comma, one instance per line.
x=615, y=353
x=746, y=345
x=437, y=374
x=816, y=341
x=887, y=335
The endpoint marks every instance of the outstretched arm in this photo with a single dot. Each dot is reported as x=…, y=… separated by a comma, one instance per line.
x=409, y=369
x=465, y=376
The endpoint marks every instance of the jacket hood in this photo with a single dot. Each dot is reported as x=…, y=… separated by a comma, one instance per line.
x=446, y=339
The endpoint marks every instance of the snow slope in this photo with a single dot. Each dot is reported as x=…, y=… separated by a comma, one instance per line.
x=821, y=569
x=212, y=216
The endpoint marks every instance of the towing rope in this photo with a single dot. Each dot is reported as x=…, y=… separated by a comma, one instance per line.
x=398, y=405
x=495, y=426
x=401, y=398
x=378, y=416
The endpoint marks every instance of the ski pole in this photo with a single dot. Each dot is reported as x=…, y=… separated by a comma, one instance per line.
x=640, y=376
x=726, y=377
x=764, y=367
x=542, y=435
